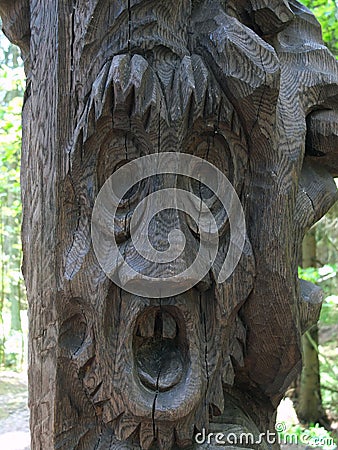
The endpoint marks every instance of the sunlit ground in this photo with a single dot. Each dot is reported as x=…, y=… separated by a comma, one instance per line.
x=14, y=414
x=15, y=440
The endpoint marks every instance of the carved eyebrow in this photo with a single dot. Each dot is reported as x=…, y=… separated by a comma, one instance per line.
x=128, y=88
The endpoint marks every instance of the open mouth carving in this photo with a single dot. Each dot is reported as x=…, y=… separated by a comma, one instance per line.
x=172, y=383
x=160, y=349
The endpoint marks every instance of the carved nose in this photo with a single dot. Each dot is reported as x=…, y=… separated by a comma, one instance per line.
x=158, y=350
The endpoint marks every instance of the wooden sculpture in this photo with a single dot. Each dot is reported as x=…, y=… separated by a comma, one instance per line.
x=246, y=85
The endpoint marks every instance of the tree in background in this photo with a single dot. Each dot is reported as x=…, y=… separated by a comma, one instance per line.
x=309, y=406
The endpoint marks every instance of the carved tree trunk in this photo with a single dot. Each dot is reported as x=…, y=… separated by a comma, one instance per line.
x=135, y=353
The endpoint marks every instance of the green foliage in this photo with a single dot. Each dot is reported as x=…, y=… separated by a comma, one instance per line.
x=313, y=436
x=318, y=274
x=326, y=12
x=328, y=354
x=329, y=313
x=11, y=285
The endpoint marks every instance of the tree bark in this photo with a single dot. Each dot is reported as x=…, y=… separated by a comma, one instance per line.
x=246, y=87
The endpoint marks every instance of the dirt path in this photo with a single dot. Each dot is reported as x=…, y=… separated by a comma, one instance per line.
x=14, y=413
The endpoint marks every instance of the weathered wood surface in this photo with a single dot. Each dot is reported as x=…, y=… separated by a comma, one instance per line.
x=247, y=85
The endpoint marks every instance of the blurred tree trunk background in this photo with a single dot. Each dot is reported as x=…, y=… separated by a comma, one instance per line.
x=309, y=406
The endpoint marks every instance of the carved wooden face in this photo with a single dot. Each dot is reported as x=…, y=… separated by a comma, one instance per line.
x=167, y=358
x=259, y=109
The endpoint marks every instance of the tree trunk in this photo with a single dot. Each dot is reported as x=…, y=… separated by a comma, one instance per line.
x=169, y=173
x=309, y=253
x=309, y=406
x=310, y=409
x=15, y=313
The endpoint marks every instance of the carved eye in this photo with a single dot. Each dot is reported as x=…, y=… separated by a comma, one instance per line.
x=207, y=174
x=205, y=183
x=317, y=190
x=322, y=139
x=132, y=194
x=201, y=190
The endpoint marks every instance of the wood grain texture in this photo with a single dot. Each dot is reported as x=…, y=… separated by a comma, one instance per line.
x=246, y=85
x=15, y=16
